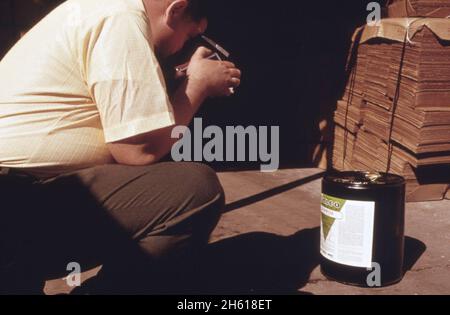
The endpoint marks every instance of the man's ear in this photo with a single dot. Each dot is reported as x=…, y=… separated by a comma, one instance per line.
x=176, y=11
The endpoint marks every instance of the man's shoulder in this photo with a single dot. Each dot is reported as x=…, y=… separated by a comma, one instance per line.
x=104, y=8
x=84, y=17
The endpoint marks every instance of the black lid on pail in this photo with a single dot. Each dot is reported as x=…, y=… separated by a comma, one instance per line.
x=363, y=179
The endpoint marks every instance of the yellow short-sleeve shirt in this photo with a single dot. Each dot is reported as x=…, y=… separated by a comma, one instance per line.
x=84, y=76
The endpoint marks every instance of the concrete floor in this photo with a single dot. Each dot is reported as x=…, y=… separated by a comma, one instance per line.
x=267, y=242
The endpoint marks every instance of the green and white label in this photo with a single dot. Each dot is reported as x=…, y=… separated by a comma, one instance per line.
x=346, y=231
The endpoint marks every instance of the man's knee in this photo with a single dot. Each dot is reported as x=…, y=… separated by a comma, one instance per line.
x=203, y=182
x=198, y=197
x=203, y=193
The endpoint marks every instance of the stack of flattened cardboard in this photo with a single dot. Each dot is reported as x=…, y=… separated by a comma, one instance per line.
x=343, y=149
x=394, y=115
x=415, y=8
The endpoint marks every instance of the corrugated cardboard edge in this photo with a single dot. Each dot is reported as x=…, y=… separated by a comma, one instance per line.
x=401, y=9
x=432, y=192
x=405, y=9
x=401, y=29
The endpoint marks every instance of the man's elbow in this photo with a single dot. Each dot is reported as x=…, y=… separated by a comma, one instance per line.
x=143, y=160
x=127, y=155
x=145, y=149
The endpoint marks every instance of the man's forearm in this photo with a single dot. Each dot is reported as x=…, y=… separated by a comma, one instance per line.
x=152, y=147
x=186, y=101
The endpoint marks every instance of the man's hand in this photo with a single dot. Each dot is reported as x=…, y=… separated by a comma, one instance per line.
x=213, y=78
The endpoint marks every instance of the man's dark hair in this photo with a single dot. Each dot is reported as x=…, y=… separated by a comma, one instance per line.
x=198, y=9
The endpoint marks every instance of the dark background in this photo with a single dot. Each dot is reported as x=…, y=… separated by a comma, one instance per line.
x=292, y=54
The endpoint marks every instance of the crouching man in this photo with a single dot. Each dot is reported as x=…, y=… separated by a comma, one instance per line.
x=85, y=120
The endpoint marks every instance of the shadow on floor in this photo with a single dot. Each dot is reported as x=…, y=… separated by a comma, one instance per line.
x=254, y=263
x=414, y=249
x=263, y=263
x=271, y=192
